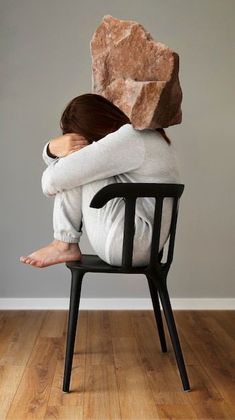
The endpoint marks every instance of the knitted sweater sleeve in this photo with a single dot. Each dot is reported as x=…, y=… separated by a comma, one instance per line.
x=46, y=157
x=116, y=153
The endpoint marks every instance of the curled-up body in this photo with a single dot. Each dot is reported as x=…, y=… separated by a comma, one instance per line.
x=92, y=152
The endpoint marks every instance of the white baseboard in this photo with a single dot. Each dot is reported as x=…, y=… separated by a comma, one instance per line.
x=114, y=304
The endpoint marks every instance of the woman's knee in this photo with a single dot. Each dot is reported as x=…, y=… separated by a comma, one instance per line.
x=90, y=189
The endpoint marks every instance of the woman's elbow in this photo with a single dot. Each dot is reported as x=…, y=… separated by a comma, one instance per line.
x=47, y=189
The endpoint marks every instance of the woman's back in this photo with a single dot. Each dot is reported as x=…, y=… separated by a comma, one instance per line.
x=159, y=164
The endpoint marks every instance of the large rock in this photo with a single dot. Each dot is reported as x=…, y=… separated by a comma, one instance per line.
x=136, y=73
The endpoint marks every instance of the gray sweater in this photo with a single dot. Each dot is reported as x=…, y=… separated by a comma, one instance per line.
x=130, y=155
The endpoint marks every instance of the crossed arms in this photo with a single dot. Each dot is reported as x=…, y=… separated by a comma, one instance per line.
x=116, y=153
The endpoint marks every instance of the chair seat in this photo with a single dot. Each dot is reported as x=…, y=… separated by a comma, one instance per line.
x=90, y=262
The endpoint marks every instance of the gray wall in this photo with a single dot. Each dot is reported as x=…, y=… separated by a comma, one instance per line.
x=46, y=61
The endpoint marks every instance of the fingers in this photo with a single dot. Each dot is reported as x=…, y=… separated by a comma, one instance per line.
x=75, y=149
x=78, y=144
x=75, y=137
x=75, y=143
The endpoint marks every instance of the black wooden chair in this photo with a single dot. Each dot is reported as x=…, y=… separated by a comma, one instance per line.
x=156, y=271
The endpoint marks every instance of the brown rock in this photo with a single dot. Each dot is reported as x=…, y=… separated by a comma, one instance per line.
x=136, y=73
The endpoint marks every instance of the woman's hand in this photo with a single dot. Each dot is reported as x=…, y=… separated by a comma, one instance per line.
x=67, y=144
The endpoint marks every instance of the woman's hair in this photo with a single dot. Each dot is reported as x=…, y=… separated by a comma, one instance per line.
x=93, y=116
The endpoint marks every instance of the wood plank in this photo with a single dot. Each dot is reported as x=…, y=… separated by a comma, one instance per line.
x=203, y=341
x=166, y=385
x=100, y=390
x=214, y=410
x=18, y=332
x=174, y=411
x=224, y=340
x=63, y=412
x=121, y=323
x=101, y=393
x=135, y=396
x=223, y=379
x=99, y=341
x=54, y=324
x=33, y=392
x=226, y=319
x=10, y=377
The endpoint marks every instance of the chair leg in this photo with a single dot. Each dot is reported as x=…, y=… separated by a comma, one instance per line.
x=166, y=304
x=157, y=313
x=75, y=293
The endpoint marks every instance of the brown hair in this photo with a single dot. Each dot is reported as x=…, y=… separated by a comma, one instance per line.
x=94, y=116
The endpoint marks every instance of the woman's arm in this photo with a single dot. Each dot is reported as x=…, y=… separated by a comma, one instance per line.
x=47, y=157
x=62, y=146
x=117, y=152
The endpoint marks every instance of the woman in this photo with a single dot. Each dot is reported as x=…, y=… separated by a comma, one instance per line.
x=99, y=146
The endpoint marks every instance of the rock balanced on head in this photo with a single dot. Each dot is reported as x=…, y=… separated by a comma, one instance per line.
x=136, y=73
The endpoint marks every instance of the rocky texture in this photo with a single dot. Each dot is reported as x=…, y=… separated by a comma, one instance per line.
x=136, y=73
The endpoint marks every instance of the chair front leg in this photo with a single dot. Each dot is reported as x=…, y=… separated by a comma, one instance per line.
x=75, y=293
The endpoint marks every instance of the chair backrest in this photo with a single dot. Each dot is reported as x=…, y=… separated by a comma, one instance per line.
x=130, y=192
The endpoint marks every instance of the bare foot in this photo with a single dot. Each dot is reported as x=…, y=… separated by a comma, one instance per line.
x=54, y=253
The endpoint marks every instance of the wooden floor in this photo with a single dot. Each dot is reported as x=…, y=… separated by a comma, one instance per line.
x=118, y=371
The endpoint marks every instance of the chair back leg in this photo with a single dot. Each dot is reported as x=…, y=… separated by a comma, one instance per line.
x=161, y=286
x=75, y=293
x=157, y=313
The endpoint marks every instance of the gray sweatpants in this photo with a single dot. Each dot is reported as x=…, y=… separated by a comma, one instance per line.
x=72, y=210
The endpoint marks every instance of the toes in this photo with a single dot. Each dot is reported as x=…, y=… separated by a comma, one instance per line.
x=29, y=260
x=35, y=262
x=39, y=263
